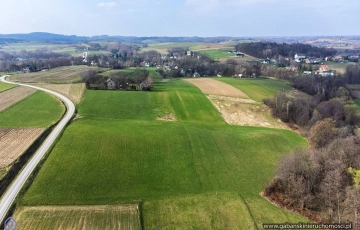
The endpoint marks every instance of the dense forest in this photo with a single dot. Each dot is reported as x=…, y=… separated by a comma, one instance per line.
x=320, y=182
x=275, y=50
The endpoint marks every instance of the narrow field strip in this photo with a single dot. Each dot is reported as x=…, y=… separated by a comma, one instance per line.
x=4, y=86
x=57, y=75
x=213, y=87
x=14, y=142
x=73, y=91
x=110, y=217
x=14, y=95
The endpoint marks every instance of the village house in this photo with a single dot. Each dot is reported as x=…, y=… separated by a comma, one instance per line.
x=299, y=58
x=110, y=84
x=196, y=74
x=325, y=71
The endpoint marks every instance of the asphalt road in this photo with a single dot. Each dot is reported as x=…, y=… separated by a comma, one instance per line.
x=11, y=193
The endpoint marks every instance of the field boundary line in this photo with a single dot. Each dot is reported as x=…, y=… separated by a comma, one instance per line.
x=11, y=193
x=249, y=210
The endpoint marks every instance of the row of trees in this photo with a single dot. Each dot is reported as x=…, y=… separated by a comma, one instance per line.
x=274, y=50
x=139, y=79
x=352, y=74
x=35, y=54
x=305, y=111
x=35, y=60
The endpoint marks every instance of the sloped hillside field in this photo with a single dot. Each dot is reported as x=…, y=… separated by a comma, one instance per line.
x=194, y=171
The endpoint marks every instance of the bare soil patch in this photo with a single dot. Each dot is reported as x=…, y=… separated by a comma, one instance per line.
x=245, y=112
x=125, y=216
x=59, y=75
x=73, y=91
x=236, y=107
x=13, y=96
x=14, y=142
x=213, y=87
x=167, y=117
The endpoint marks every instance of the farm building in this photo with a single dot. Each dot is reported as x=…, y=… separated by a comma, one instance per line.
x=299, y=58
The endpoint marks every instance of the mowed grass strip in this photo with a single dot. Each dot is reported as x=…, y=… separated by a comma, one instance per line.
x=217, y=210
x=107, y=217
x=38, y=110
x=206, y=211
x=257, y=89
x=5, y=86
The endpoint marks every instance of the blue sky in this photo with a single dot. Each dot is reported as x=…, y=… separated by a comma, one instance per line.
x=237, y=18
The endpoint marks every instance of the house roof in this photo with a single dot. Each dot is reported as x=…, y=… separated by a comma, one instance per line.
x=324, y=67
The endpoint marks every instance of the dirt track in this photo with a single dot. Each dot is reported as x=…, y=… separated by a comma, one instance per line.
x=14, y=95
x=14, y=142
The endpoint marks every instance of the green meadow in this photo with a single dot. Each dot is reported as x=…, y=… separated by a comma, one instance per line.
x=218, y=54
x=194, y=172
x=259, y=88
x=38, y=110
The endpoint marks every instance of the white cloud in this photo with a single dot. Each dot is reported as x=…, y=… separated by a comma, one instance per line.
x=107, y=4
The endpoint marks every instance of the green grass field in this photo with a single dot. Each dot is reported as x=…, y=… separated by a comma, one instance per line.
x=196, y=172
x=258, y=89
x=38, y=110
x=218, y=54
x=4, y=86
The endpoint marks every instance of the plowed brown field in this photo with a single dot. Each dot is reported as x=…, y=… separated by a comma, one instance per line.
x=14, y=95
x=213, y=87
x=14, y=142
x=73, y=91
x=109, y=217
